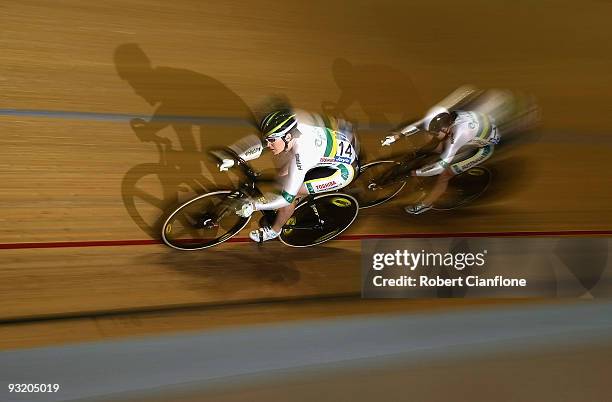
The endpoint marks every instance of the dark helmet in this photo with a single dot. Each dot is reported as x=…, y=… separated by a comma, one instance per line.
x=440, y=121
x=277, y=123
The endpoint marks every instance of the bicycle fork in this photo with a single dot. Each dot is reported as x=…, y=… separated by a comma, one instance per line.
x=210, y=220
x=320, y=221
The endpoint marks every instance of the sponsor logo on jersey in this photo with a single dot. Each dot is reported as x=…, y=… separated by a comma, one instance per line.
x=485, y=152
x=252, y=151
x=298, y=163
x=327, y=160
x=325, y=186
x=342, y=159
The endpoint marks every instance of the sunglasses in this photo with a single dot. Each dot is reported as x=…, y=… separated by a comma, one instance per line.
x=271, y=140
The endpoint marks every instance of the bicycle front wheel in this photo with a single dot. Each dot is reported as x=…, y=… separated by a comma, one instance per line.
x=203, y=222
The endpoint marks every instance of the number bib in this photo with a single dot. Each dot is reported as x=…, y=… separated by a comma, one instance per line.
x=339, y=149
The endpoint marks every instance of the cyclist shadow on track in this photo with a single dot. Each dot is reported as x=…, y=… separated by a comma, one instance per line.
x=199, y=109
x=268, y=265
x=380, y=90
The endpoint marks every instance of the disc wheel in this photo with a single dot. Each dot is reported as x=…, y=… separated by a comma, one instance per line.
x=203, y=222
x=464, y=188
x=336, y=210
x=368, y=189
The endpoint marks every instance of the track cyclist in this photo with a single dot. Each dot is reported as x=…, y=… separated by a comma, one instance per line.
x=317, y=154
x=466, y=138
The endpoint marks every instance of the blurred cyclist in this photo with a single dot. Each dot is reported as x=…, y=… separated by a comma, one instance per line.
x=467, y=139
x=322, y=155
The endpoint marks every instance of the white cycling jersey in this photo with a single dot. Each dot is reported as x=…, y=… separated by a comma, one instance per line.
x=470, y=129
x=321, y=142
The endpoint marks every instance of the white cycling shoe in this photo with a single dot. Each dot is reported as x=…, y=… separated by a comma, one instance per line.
x=417, y=209
x=263, y=234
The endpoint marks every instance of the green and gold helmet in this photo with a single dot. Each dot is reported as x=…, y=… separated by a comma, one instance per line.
x=278, y=123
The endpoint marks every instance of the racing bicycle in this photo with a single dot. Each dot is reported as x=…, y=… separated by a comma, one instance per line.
x=210, y=219
x=380, y=181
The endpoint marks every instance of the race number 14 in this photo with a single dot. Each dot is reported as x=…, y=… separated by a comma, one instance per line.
x=345, y=149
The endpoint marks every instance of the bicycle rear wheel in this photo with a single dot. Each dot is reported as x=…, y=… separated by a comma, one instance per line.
x=464, y=188
x=204, y=221
x=367, y=187
x=336, y=211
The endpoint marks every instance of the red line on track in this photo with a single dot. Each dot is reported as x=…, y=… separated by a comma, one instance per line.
x=115, y=243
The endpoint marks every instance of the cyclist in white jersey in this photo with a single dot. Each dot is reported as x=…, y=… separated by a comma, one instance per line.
x=467, y=139
x=322, y=156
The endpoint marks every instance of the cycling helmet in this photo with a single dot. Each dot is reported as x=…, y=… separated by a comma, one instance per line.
x=278, y=123
x=439, y=122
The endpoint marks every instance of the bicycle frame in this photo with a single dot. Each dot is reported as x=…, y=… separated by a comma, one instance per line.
x=249, y=187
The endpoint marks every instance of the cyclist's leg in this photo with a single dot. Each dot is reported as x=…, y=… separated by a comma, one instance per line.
x=439, y=187
x=481, y=155
x=283, y=214
x=318, y=180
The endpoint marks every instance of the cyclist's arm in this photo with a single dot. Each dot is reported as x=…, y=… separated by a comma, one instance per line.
x=404, y=131
x=413, y=128
x=146, y=130
x=293, y=183
x=434, y=169
x=248, y=148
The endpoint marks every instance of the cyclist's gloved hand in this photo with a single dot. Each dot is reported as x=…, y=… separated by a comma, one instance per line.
x=390, y=139
x=246, y=210
x=226, y=164
x=225, y=160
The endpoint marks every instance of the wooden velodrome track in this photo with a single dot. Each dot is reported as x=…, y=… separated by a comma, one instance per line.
x=74, y=74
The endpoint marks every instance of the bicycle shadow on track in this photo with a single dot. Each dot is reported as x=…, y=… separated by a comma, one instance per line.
x=197, y=109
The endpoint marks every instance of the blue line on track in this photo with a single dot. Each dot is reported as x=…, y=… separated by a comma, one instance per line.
x=124, y=117
x=556, y=136
x=61, y=114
